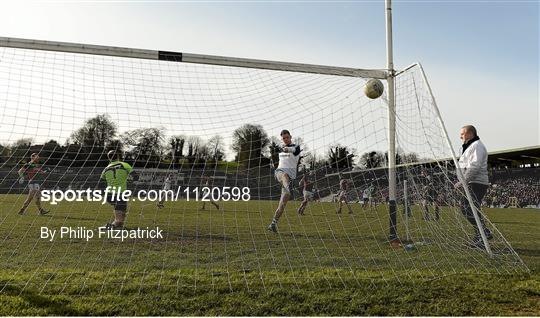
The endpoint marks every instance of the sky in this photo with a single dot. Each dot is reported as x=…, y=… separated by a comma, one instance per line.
x=481, y=57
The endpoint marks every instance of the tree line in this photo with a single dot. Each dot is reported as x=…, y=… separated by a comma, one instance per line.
x=151, y=148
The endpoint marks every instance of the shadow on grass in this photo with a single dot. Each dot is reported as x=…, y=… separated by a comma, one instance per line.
x=527, y=252
x=51, y=306
x=74, y=218
x=513, y=222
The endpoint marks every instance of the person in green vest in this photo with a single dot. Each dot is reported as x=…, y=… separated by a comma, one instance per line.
x=116, y=175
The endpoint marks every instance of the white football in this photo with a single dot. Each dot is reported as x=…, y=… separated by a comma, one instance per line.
x=373, y=88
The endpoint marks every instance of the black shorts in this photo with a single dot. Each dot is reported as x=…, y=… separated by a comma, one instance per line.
x=117, y=203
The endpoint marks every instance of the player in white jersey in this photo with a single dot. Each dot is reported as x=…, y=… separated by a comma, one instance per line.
x=366, y=196
x=344, y=187
x=285, y=174
x=166, y=187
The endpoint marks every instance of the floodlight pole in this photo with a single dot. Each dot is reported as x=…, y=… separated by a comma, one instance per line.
x=391, y=125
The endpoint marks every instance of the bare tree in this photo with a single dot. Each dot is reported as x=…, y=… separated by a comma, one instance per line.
x=249, y=143
x=216, y=148
x=372, y=159
x=97, y=131
x=145, y=144
x=195, y=146
x=23, y=142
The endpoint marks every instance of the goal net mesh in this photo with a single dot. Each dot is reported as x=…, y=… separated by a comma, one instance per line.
x=219, y=127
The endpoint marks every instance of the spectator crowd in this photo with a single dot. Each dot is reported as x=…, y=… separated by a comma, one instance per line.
x=525, y=189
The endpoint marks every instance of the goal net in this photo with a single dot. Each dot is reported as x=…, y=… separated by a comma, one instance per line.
x=210, y=134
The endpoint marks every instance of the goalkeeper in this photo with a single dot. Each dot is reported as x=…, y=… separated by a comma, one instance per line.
x=285, y=173
x=116, y=175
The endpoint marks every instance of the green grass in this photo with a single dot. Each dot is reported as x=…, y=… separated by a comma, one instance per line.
x=227, y=263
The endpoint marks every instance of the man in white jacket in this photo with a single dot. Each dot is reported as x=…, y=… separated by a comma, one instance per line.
x=473, y=165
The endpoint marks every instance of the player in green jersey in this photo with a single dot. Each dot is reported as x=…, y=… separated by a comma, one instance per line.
x=116, y=174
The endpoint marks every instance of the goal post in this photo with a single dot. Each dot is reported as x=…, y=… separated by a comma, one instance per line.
x=67, y=47
x=392, y=208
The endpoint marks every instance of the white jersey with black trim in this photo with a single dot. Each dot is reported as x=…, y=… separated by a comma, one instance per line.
x=288, y=159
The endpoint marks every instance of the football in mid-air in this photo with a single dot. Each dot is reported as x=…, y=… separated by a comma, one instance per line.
x=373, y=88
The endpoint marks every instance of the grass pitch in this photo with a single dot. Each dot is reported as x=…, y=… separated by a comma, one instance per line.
x=226, y=263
